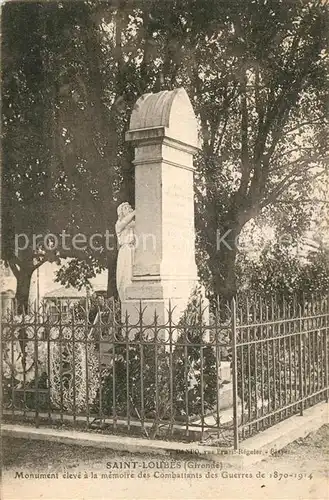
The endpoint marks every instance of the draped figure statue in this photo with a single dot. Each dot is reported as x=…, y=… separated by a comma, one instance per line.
x=125, y=231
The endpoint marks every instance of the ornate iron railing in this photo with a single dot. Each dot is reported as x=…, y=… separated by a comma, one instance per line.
x=219, y=381
x=281, y=359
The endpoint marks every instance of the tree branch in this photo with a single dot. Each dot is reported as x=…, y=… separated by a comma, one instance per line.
x=303, y=124
x=39, y=264
x=15, y=265
x=244, y=157
x=283, y=185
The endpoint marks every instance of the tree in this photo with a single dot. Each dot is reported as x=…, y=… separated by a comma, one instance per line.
x=261, y=87
x=26, y=144
x=60, y=153
x=257, y=75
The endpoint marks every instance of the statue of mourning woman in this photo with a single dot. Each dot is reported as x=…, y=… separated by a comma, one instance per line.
x=125, y=231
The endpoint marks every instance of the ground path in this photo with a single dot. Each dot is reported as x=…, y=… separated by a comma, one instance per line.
x=300, y=472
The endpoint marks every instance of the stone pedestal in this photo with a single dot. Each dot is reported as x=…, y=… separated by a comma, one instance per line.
x=163, y=129
x=7, y=302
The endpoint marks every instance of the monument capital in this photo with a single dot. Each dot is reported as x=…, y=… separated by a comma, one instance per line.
x=165, y=116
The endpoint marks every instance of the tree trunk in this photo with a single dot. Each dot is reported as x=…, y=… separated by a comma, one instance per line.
x=127, y=191
x=23, y=277
x=111, y=278
x=224, y=260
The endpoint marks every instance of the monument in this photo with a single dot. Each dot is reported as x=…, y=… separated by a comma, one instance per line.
x=163, y=130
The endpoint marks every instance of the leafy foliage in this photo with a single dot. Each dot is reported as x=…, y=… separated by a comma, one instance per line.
x=279, y=272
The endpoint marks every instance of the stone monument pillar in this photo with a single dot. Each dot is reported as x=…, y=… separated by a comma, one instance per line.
x=163, y=129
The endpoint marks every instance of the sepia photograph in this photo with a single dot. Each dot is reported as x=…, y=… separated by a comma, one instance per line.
x=164, y=267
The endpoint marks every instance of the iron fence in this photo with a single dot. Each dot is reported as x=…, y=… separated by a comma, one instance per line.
x=219, y=381
x=280, y=353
